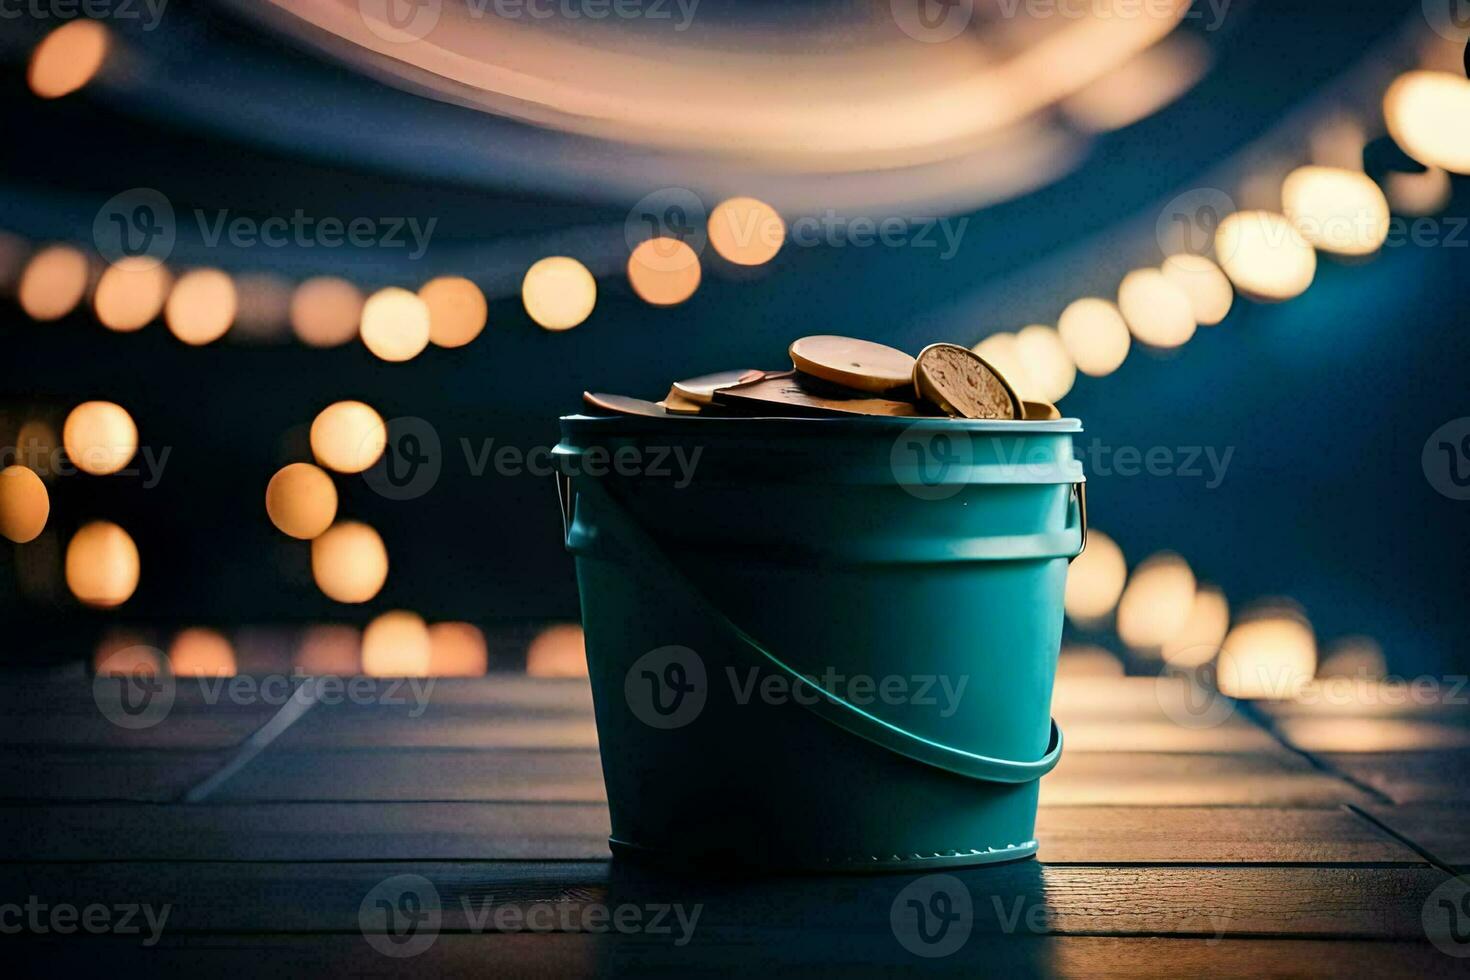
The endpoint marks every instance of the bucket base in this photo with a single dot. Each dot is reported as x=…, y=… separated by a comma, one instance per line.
x=893, y=862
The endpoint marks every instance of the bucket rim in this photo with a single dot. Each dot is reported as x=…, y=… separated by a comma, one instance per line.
x=835, y=425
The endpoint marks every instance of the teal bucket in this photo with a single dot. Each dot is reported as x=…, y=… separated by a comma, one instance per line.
x=822, y=644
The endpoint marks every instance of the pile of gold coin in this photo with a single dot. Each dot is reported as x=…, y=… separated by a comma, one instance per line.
x=831, y=376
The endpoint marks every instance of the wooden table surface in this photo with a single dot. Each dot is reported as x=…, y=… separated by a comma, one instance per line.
x=1282, y=840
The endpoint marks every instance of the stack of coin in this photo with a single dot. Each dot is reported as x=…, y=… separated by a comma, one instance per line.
x=834, y=376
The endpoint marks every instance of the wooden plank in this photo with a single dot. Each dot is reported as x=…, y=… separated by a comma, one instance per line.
x=1178, y=779
x=1025, y=898
x=1213, y=835
x=1100, y=734
x=143, y=775
x=418, y=774
x=440, y=726
x=1338, y=734
x=1409, y=777
x=1439, y=829
x=305, y=832
x=777, y=952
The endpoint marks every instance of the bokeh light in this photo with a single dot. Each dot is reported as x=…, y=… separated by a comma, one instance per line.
x=1426, y=113
x=395, y=324
x=330, y=651
x=558, y=651
x=326, y=311
x=201, y=306
x=663, y=271
x=1418, y=195
x=1048, y=368
x=457, y=310
x=1198, y=641
x=1156, y=602
x=746, y=231
x=1264, y=255
x=558, y=292
x=1210, y=294
x=1354, y=656
x=102, y=565
x=24, y=504
x=1095, y=580
x=301, y=501
x=1001, y=352
x=67, y=58
x=53, y=282
x=348, y=437
x=1158, y=311
x=349, y=562
x=457, y=650
x=124, y=653
x=1096, y=336
x=100, y=437
x=131, y=294
x=1339, y=211
x=200, y=652
x=396, y=644
x=264, y=306
x=1270, y=654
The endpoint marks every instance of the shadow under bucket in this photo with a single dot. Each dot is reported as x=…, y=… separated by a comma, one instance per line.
x=822, y=644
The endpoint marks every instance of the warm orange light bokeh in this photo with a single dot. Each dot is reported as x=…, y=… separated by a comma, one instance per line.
x=100, y=437
x=301, y=500
x=24, y=504
x=348, y=437
x=102, y=565
x=457, y=310
x=67, y=58
x=349, y=562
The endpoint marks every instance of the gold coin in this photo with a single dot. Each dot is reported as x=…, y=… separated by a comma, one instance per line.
x=702, y=389
x=781, y=394
x=621, y=405
x=675, y=402
x=859, y=364
x=961, y=383
x=1040, y=411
